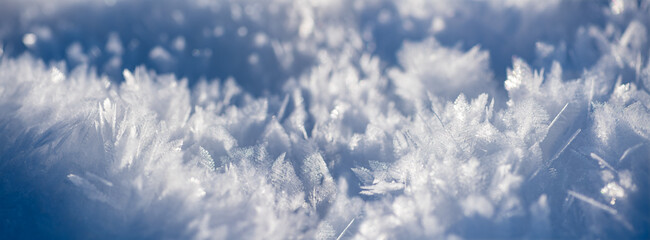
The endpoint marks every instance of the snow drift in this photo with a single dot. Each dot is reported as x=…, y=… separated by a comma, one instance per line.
x=324, y=119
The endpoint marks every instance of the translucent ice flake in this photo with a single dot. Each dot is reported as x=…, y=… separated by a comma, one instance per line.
x=205, y=159
x=381, y=187
x=318, y=182
x=89, y=189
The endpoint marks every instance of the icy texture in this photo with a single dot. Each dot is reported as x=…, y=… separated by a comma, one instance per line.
x=324, y=119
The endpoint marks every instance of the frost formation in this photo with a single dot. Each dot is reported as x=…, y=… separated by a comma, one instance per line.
x=371, y=119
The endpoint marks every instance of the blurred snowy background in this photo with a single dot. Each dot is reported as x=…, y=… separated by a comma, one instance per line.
x=324, y=119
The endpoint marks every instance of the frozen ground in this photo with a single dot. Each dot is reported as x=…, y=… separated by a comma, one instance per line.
x=324, y=119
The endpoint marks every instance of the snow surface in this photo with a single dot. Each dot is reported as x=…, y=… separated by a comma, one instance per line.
x=324, y=119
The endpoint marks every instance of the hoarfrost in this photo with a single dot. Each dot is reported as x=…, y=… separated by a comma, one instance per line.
x=324, y=119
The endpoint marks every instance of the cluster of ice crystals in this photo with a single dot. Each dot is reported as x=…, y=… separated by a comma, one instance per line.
x=371, y=119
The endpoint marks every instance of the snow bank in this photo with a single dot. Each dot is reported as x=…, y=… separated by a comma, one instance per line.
x=324, y=119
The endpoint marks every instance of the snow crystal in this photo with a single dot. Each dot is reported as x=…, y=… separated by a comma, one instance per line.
x=370, y=119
